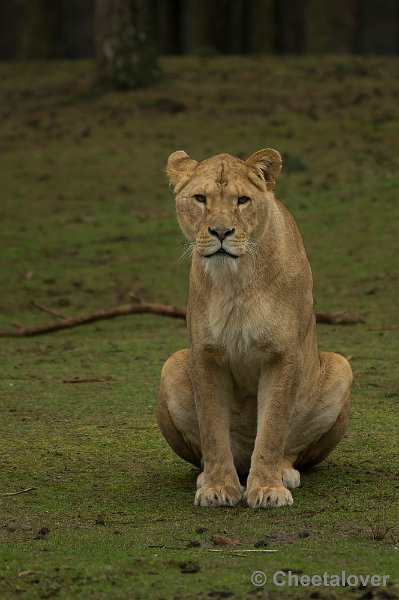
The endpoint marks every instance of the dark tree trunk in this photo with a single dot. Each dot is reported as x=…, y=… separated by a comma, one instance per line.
x=167, y=21
x=193, y=16
x=332, y=27
x=125, y=46
x=76, y=39
x=291, y=26
x=8, y=29
x=379, y=31
x=262, y=26
x=218, y=18
x=38, y=28
x=236, y=27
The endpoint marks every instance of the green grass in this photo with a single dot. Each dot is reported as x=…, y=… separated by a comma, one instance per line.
x=86, y=216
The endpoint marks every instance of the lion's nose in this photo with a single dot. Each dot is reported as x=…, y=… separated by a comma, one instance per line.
x=221, y=232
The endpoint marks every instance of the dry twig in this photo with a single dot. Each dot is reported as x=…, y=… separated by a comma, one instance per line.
x=49, y=311
x=88, y=379
x=17, y=493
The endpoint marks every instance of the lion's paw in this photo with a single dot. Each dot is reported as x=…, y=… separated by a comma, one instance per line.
x=291, y=478
x=266, y=497
x=218, y=495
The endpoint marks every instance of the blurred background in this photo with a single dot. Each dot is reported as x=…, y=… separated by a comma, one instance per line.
x=65, y=28
x=87, y=217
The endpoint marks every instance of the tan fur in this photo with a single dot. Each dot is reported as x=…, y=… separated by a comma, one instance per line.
x=252, y=396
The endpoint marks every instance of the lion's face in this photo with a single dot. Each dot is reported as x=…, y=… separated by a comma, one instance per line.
x=222, y=202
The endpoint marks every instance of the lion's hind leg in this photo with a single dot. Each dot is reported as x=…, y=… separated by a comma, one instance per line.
x=176, y=414
x=334, y=404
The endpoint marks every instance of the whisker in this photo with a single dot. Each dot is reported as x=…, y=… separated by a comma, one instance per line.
x=187, y=252
x=252, y=250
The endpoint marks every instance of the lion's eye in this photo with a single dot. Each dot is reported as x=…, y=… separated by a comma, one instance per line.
x=200, y=198
x=242, y=200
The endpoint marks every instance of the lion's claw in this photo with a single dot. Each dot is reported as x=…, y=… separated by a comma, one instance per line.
x=221, y=495
x=267, y=497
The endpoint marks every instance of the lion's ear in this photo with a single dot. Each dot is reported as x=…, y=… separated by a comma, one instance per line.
x=267, y=163
x=179, y=168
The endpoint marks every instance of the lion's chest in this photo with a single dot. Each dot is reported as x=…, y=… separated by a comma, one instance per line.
x=231, y=326
x=243, y=328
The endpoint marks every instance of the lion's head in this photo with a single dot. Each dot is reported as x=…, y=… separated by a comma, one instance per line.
x=223, y=202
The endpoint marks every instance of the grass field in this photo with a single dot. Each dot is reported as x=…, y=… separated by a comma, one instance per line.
x=86, y=217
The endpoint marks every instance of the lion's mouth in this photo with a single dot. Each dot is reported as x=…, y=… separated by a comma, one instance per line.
x=221, y=252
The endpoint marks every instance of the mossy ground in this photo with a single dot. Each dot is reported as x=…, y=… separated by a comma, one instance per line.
x=86, y=217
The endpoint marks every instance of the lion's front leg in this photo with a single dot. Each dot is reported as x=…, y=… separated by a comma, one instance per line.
x=218, y=484
x=276, y=398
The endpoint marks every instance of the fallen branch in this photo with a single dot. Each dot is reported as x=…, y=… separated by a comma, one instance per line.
x=111, y=313
x=139, y=307
x=89, y=379
x=17, y=493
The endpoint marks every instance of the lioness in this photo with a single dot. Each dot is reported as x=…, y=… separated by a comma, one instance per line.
x=252, y=396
